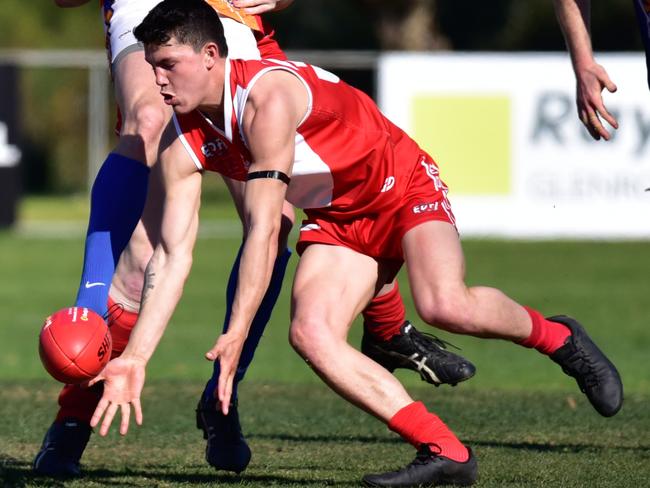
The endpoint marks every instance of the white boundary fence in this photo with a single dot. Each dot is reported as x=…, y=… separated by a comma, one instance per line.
x=98, y=88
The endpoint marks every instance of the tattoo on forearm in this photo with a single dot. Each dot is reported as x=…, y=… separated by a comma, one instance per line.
x=148, y=283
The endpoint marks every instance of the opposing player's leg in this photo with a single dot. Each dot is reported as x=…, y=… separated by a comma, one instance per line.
x=120, y=189
x=332, y=285
x=66, y=439
x=226, y=447
x=442, y=299
x=394, y=342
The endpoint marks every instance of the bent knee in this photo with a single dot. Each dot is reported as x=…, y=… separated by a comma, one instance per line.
x=306, y=335
x=147, y=122
x=451, y=312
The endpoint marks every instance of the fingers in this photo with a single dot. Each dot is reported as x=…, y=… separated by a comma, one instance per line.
x=611, y=120
x=586, y=121
x=99, y=411
x=225, y=388
x=609, y=84
x=255, y=7
x=591, y=107
x=597, y=126
x=107, y=409
x=138, y=411
x=108, y=419
x=594, y=126
x=212, y=354
x=126, y=415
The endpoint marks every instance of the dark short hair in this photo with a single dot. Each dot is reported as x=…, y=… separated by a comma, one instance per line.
x=191, y=22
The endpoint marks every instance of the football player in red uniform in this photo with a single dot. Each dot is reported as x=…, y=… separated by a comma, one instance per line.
x=373, y=200
x=391, y=340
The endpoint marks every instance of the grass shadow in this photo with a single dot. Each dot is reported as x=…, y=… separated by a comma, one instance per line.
x=18, y=474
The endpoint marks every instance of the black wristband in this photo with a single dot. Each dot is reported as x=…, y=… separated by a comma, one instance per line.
x=274, y=175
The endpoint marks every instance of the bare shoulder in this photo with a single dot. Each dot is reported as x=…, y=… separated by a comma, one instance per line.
x=280, y=88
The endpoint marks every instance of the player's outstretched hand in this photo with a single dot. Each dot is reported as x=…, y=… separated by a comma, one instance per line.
x=591, y=81
x=227, y=350
x=123, y=381
x=256, y=7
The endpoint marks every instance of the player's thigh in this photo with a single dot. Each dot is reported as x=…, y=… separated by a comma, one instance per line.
x=434, y=261
x=332, y=285
x=137, y=94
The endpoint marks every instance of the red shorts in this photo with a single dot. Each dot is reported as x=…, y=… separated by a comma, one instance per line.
x=380, y=235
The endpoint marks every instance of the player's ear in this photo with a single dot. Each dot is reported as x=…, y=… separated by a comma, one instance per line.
x=210, y=54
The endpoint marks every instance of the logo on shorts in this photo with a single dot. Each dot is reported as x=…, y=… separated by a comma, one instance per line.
x=213, y=148
x=388, y=184
x=307, y=227
x=426, y=207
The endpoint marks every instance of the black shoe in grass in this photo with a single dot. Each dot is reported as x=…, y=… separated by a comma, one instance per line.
x=63, y=445
x=596, y=376
x=428, y=469
x=424, y=353
x=226, y=448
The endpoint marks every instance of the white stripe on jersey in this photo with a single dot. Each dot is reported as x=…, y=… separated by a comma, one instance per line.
x=312, y=183
x=186, y=144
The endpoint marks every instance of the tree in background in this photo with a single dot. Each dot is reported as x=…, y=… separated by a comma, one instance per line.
x=409, y=25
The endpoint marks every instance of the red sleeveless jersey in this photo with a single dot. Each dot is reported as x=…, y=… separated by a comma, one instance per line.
x=350, y=160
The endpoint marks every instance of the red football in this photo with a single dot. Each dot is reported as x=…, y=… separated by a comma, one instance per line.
x=74, y=344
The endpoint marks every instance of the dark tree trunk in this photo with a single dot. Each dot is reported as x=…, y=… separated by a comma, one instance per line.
x=406, y=24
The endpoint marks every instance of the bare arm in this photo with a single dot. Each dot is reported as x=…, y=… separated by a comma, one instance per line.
x=70, y=3
x=163, y=286
x=257, y=7
x=591, y=78
x=275, y=107
x=236, y=189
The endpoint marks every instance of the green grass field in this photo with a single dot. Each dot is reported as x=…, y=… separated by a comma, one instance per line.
x=528, y=423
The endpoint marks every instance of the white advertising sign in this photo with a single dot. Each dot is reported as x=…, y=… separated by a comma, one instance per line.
x=504, y=131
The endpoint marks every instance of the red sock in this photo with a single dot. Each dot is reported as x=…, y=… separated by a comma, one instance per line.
x=546, y=336
x=80, y=403
x=415, y=424
x=120, y=323
x=384, y=315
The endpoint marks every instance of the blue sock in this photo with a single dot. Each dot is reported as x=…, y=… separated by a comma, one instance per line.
x=116, y=203
x=257, y=327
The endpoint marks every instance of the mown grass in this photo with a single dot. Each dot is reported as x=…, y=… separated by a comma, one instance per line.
x=303, y=435
x=528, y=423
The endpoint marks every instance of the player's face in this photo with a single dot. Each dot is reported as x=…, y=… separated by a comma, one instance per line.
x=180, y=73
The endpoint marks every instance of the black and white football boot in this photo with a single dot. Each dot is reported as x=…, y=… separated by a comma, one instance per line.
x=424, y=353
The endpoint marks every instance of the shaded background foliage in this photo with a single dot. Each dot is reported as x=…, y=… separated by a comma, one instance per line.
x=55, y=101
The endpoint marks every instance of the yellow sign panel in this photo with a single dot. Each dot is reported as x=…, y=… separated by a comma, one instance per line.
x=469, y=138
